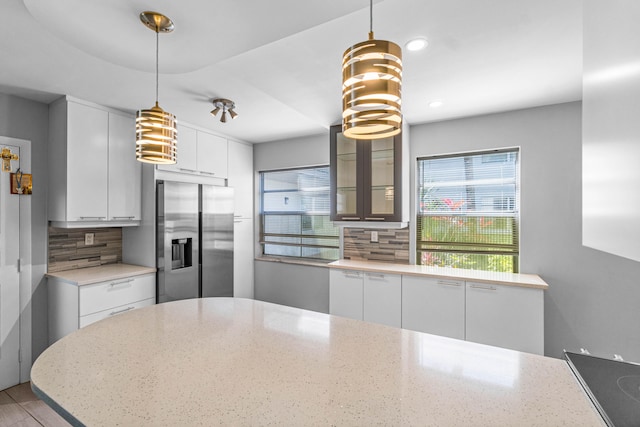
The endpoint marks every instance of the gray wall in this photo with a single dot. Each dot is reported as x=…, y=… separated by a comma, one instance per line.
x=25, y=119
x=301, y=286
x=295, y=285
x=593, y=298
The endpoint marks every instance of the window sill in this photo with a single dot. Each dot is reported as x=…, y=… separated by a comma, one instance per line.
x=297, y=261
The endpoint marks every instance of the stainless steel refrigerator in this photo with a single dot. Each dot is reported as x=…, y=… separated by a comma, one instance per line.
x=194, y=241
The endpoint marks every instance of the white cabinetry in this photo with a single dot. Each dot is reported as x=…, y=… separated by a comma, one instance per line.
x=382, y=298
x=199, y=153
x=240, y=178
x=434, y=306
x=505, y=316
x=72, y=306
x=94, y=177
x=346, y=293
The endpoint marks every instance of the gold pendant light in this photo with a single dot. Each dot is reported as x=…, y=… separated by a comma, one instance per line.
x=371, y=88
x=156, y=129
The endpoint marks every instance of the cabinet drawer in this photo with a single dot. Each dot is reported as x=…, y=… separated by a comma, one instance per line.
x=92, y=318
x=106, y=295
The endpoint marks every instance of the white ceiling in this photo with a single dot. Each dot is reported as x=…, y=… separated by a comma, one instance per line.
x=280, y=60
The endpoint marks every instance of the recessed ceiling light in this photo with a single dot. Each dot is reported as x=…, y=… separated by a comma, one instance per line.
x=417, y=44
x=436, y=104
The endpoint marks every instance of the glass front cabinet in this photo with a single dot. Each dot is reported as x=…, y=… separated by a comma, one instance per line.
x=365, y=178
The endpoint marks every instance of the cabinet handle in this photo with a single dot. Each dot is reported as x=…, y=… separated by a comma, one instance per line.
x=484, y=288
x=352, y=273
x=207, y=173
x=122, y=217
x=350, y=218
x=121, y=311
x=93, y=217
x=449, y=283
x=123, y=282
x=187, y=170
x=373, y=219
x=378, y=276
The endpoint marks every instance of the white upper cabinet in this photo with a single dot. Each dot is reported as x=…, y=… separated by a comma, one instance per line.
x=212, y=155
x=94, y=179
x=199, y=153
x=241, y=178
x=124, y=170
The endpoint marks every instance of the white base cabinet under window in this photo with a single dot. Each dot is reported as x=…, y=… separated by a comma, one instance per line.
x=505, y=316
x=434, y=306
x=382, y=300
x=346, y=293
x=72, y=307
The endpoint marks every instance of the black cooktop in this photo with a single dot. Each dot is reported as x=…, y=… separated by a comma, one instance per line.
x=612, y=385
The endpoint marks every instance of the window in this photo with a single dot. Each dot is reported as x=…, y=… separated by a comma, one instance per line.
x=468, y=208
x=295, y=214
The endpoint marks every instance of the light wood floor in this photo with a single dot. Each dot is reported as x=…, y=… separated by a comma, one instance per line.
x=19, y=407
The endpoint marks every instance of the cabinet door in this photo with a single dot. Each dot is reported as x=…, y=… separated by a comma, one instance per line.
x=87, y=159
x=346, y=179
x=434, y=306
x=125, y=172
x=345, y=293
x=241, y=178
x=505, y=316
x=382, y=298
x=212, y=155
x=243, y=257
x=186, y=155
x=381, y=184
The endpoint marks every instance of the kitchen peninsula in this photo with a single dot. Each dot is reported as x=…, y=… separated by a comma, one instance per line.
x=233, y=361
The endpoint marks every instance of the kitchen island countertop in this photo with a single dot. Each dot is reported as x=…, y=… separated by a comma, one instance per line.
x=232, y=361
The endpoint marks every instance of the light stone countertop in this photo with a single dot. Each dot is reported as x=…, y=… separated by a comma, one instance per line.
x=103, y=273
x=232, y=361
x=512, y=279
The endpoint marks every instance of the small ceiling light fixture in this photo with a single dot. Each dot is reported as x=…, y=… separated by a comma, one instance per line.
x=156, y=129
x=371, y=87
x=417, y=44
x=226, y=105
x=436, y=104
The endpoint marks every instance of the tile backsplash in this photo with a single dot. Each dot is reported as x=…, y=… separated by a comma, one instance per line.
x=67, y=249
x=392, y=245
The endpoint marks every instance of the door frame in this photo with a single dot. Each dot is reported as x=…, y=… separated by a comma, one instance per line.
x=26, y=288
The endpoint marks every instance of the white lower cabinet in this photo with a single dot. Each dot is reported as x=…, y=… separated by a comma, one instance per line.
x=505, y=316
x=382, y=298
x=72, y=306
x=346, y=293
x=434, y=306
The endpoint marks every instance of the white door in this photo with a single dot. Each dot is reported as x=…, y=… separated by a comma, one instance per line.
x=9, y=279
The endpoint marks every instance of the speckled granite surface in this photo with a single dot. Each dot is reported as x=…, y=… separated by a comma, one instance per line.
x=226, y=361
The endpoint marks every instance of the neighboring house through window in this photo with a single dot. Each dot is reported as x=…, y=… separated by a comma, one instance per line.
x=295, y=214
x=468, y=210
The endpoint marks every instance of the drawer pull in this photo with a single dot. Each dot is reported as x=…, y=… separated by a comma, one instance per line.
x=99, y=218
x=121, y=311
x=484, y=288
x=123, y=217
x=350, y=218
x=123, y=282
x=352, y=274
x=449, y=283
x=378, y=276
x=374, y=219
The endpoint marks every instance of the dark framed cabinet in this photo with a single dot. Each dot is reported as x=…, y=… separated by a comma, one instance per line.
x=366, y=178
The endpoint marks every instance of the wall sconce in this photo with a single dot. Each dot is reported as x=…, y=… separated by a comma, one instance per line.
x=226, y=105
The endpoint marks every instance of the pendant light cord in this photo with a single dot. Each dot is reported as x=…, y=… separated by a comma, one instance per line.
x=157, y=59
x=370, y=19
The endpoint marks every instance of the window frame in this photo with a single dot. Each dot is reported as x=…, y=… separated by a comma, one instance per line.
x=264, y=236
x=512, y=250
